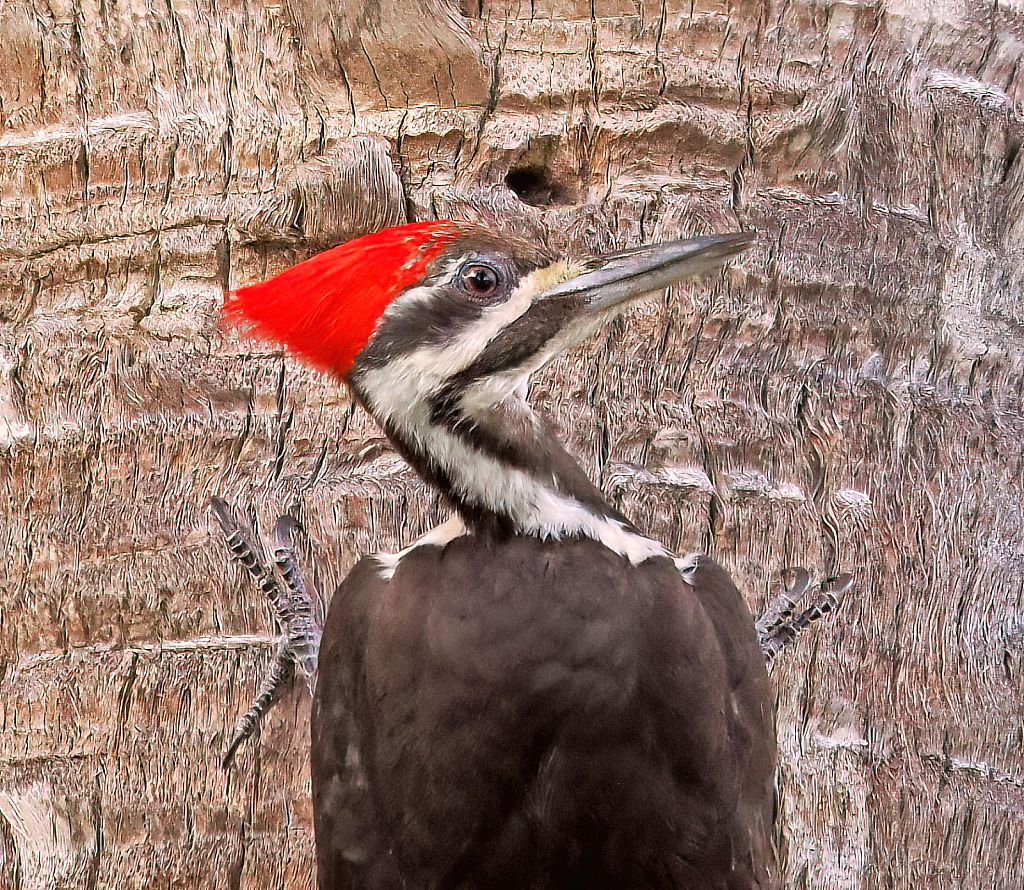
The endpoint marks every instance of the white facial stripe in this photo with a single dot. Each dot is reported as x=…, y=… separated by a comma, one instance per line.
x=535, y=507
x=399, y=393
x=401, y=388
x=405, y=380
x=491, y=390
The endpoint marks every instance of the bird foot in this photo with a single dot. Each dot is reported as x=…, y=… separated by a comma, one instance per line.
x=294, y=608
x=798, y=605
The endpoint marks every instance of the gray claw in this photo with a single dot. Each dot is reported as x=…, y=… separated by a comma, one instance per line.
x=781, y=609
x=798, y=606
x=293, y=607
x=279, y=675
x=296, y=609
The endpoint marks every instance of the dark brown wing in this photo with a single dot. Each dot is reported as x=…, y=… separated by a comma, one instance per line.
x=527, y=714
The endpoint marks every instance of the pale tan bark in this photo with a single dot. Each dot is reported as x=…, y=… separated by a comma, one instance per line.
x=847, y=397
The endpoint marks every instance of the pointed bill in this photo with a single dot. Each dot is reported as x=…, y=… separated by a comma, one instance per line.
x=628, y=274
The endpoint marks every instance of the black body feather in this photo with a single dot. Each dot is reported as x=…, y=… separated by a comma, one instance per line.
x=518, y=713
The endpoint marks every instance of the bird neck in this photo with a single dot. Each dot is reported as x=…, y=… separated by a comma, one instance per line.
x=505, y=471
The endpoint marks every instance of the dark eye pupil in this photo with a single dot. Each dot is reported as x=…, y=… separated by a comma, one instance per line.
x=480, y=279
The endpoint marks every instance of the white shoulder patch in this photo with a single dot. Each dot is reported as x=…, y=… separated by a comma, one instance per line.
x=687, y=566
x=557, y=516
x=438, y=536
x=636, y=548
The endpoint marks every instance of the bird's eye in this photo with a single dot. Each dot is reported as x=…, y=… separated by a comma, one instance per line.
x=480, y=280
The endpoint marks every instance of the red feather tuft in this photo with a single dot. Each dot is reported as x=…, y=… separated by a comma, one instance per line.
x=326, y=308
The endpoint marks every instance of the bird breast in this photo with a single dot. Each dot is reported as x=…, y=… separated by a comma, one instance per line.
x=513, y=696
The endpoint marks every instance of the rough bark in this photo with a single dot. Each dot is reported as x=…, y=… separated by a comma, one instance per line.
x=848, y=397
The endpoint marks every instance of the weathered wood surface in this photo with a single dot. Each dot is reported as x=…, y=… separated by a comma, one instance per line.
x=848, y=397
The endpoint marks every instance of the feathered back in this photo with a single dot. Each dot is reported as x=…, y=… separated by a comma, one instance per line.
x=325, y=309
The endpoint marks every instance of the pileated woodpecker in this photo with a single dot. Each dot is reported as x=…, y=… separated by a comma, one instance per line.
x=534, y=694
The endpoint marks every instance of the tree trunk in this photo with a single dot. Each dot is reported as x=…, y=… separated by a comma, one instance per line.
x=848, y=397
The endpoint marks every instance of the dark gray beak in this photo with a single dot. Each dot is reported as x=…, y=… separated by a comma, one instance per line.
x=623, y=276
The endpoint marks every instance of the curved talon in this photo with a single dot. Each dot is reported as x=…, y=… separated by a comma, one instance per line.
x=297, y=612
x=244, y=548
x=791, y=611
x=780, y=610
x=800, y=580
x=293, y=608
x=280, y=673
x=830, y=594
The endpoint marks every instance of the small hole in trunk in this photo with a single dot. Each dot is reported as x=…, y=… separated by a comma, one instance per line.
x=533, y=186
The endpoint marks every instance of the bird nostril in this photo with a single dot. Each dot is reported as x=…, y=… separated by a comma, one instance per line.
x=533, y=185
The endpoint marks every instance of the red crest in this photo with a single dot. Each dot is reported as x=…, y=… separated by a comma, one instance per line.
x=326, y=308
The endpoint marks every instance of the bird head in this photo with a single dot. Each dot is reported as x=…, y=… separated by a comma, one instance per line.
x=410, y=313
